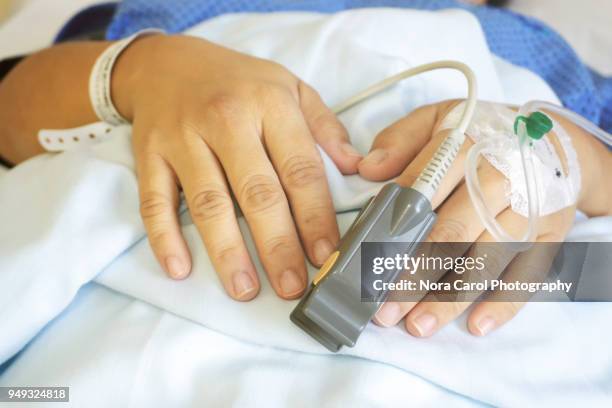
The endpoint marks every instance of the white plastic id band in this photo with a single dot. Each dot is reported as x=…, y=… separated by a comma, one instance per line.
x=100, y=80
x=77, y=138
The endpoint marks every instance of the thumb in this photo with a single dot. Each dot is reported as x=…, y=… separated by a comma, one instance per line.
x=397, y=145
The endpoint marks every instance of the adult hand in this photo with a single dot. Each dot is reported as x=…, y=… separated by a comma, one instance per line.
x=218, y=123
x=404, y=148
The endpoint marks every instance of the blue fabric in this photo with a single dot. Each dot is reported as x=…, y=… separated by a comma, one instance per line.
x=87, y=23
x=521, y=40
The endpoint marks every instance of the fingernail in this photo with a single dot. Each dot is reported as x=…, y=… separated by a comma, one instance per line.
x=243, y=284
x=321, y=250
x=389, y=314
x=376, y=156
x=485, y=325
x=349, y=150
x=425, y=324
x=176, y=268
x=291, y=284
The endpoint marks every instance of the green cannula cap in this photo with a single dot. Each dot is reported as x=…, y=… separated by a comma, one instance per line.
x=537, y=125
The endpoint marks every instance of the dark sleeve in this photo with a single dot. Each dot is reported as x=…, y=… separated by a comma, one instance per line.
x=7, y=64
x=5, y=67
x=5, y=163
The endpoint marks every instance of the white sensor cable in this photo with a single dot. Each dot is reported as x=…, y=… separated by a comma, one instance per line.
x=429, y=180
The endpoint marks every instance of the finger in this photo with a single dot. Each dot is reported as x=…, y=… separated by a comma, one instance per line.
x=400, y=143
x=490, y=315
x=327, y=130
x=458, y=220
x=532, y=265
x=300, y=168
x=425, y=319
x=213, y=213
x=440, y=307
x=263, y=203
x=390, y=313
x=399, y=303
x=430, y=315
x=159, y=199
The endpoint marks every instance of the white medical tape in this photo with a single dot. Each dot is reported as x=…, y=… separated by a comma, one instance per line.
x=558, y=186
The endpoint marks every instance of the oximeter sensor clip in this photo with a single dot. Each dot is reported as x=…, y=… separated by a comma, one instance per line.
x=333, y=310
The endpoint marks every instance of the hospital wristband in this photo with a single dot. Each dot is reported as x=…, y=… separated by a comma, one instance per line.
x=100, y=79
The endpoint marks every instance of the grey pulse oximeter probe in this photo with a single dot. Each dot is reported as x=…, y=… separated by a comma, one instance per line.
x=332, y=311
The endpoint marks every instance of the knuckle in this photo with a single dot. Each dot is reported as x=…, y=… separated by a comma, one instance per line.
x=157, y=238
x=259, y=193
x=225, y=106
x=279, y=244
x=449, y=231
x=270, y=90
x=301, y=171
x=224, y=252
x=154, y=205
x=277, y=99
x=326, y=123
x=190, y=130
x=315, y=217
x=209, y=203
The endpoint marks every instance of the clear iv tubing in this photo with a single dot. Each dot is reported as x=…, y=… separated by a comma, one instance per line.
x=471, y=177
x=473, y=185
x=576, y=119
x=429, y=180
x=486, y=217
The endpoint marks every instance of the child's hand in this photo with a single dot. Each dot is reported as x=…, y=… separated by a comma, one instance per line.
x=219, y=123
x=406, y=146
